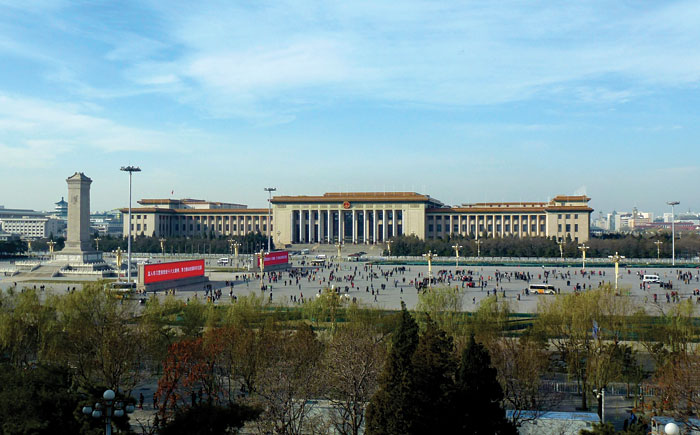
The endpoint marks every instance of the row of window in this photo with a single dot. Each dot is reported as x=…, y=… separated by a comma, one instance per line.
x=568, y=216
x=485, y=228
x=568, y=228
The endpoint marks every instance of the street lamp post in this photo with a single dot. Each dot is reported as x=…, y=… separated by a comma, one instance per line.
x=111, y=409
x=269, y=190
x=118, y=253
x=162, y=245
x=97, y=243
x=583, y=247
x=261, y=259
x=457, y=247
x=673, y=205
x=616, y=259
x=658, y=244
x=561, y=243
x=600, y=395
x=339, y=246
x=429, y=256
x=388, y=246
x=130, y=170
x=51, y=244
x=478, y=248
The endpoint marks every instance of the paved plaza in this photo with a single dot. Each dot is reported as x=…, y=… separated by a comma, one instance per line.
x=386, y=285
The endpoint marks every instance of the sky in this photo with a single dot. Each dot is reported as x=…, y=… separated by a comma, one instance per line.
x=467, y=101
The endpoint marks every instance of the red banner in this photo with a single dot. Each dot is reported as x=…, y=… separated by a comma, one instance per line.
x=170, y=271
x=275, y=258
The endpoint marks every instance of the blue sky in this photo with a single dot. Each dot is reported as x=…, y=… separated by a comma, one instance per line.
x=465, y=101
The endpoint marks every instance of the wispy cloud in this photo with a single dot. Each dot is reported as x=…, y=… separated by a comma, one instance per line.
x=35, y=132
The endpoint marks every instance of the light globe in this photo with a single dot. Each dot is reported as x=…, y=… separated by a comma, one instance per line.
x=672, y=429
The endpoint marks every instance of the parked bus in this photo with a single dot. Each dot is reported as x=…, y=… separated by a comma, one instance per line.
x=542, y=289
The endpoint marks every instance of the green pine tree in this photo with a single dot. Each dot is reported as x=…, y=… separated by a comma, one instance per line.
x=433, y=372
x=391, y=410
x=477, y=399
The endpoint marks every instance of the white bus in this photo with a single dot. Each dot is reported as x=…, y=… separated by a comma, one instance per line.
x=222, y=261
x=542, y=289
x=651, y=279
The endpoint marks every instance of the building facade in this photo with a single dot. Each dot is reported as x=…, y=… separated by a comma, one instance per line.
x=194, y=218
x=30, y=227
x=363, y=217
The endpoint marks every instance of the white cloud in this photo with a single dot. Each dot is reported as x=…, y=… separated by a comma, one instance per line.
x=36, y=132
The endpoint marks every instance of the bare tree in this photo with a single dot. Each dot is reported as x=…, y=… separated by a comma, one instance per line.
x=352, y=363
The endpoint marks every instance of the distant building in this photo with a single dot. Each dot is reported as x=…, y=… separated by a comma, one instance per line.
x=369, y=217
x=107, y=224
x=61, y=209
x=31, y=228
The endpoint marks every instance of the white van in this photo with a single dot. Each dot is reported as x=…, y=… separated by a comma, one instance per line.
x=651, y=279
x=222, y=261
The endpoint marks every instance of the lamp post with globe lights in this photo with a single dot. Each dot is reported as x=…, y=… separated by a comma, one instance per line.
x=457, y=247
x=108, y=409
x=429, y=256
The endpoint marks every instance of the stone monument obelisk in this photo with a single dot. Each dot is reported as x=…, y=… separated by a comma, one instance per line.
x=78, y=251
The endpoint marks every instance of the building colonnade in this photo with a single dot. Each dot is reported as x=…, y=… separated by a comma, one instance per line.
x=345, y=226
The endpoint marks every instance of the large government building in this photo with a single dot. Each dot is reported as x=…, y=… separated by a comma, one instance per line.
x=370, y=217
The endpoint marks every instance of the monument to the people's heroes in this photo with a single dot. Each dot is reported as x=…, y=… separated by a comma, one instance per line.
x=78, y=252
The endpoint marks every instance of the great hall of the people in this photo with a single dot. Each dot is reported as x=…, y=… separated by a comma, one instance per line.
x=370, y=217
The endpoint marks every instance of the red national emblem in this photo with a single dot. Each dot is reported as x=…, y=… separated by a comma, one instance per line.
x=346, y=204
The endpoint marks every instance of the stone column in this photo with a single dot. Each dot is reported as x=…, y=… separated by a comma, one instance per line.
x=354, y=226
x=365, y=216
x=394, y=223
x=329, y=222
x=311, y=226
x=385, y=226
x=374, y=226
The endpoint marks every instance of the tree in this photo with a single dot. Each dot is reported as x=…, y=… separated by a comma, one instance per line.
x=521, y=363
x=207, y=418
x=478, y=395
x=100, y=338
x=43, y=400
x=25, y=326
x=587, y=329
x=352, y=364
x=444, y=306
x=391, y=409
x=288, y=381
x=433, y=373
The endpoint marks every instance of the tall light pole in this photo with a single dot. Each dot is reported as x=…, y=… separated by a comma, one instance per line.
x=388, y=245
x=658, y=244
x=130, y=170
x=583, y=247
x=478, y=247
x=673, y=204
x=162, y=245
x=457, y=247
x=269, y=190
x=97, y=243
